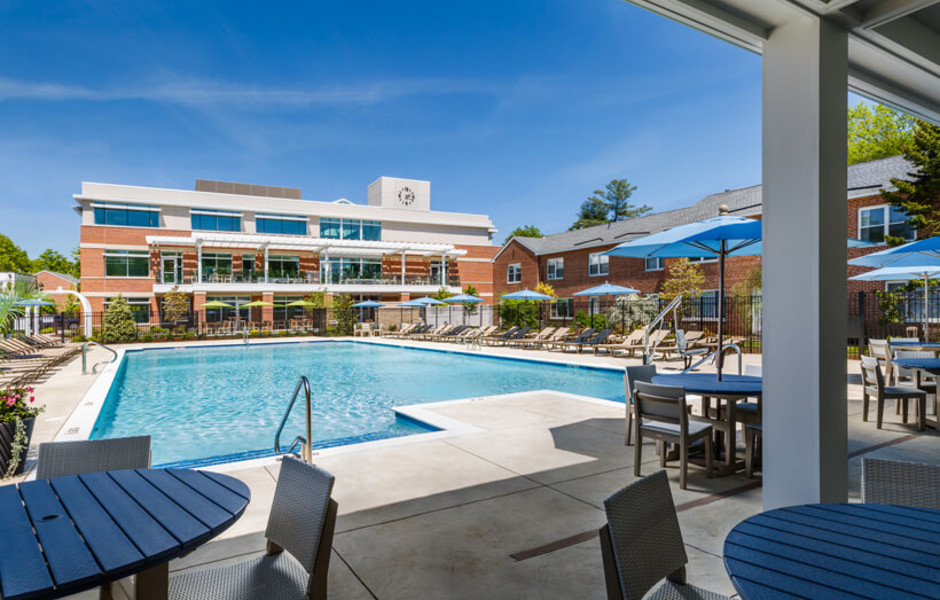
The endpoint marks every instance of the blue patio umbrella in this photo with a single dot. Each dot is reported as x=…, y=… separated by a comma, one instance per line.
x=605, y=289
x=426, y=301
x=925, y=252
x=526, y=295
x=463, y=299
x=719, y=237
x=367, y=304
x=893, y=273
x=34, y=303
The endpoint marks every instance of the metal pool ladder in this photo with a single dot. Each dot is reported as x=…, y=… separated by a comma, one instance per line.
x=94, y=368
x=306, y=452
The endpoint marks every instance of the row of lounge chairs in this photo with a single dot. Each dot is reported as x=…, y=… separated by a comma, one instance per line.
x=26, y=359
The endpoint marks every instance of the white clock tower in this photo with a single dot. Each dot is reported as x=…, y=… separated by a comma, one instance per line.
x=408, y=194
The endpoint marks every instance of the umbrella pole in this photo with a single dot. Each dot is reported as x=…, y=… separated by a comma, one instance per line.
x=926, y=310
x=721, y=306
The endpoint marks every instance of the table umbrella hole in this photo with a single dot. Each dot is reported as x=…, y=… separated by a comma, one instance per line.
x=49, y=517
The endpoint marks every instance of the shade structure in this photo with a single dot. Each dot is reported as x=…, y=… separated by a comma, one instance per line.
x=526, y=295
x=463, y=299
x=925, y=272
x=427, y=301
x=368, y=304
x=34, y=303
x=720, y=237
x=607, y=289
x=304, y=303
x=216, y=304
x=925, y=252
x=257, y=303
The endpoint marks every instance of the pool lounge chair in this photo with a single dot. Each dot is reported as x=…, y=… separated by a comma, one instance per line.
x=542, y=335
x=628, y=344
x=596, y=341
x=501, y=336
x=557, y=336
x=582, y=337
x=519, y=333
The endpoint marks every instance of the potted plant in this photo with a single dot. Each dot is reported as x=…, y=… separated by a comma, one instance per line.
x=17, y=417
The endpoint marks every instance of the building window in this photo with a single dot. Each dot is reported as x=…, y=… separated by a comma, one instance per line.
x=216, y=264
x=248, y=267
x=563, y=308
x=279, y=224
x=216, y=220
x=283, y=266
x=126, y=263
x=555, y=268
x=702, y=259
x=709, y=304
x=171, y=267
x=350, y=229
x=655, y=263
x=372, y=231
x=216, y=315
x=876, y=222
x=345, y=270
x=139, y=307
x=514, y=273
x=127, y=215
x=598, y=264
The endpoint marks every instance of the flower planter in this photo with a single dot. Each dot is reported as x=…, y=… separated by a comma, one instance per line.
x=7, y=432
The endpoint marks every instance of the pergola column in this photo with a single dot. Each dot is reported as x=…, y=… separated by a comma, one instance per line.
x=403, y=267
x=443, y=270
x=198, y=262
x=804, y=253
x=266, y=263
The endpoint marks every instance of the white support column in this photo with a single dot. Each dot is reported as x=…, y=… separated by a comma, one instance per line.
x=443, y=269
x=403, y=267
x=804, y=228
x=265, y=263
x=325, y=269
x=198, y=262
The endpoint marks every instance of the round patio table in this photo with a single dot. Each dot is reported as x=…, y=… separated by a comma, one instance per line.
x=838, y=551
x=67, y=534
x=731, y=389
x=929, y=365
x=935, y=346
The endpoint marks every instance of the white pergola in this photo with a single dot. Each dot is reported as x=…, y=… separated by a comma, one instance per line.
x=323, y=246
x=814, y=51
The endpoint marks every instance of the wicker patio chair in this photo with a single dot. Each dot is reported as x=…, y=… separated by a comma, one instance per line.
x=900, y=482
x=631, y=375
x=661, y=413
x=301, y=521
x=873, y=384
x=88, y=456
x=641, y=545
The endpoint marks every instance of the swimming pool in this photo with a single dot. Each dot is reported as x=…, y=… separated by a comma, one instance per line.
x=202, y=403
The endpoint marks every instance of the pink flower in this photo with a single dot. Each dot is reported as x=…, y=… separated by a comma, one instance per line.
x=11, y=402
x=32, y=398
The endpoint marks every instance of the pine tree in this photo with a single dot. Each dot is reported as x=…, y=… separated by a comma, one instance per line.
x=119, y=325
x=919, y=197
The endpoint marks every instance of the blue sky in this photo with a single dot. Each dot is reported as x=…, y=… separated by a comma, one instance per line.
x=514, y=109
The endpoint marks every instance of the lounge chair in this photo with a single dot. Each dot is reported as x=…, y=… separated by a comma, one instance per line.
x=525, y=341
x=502, y=336
x=595, y=341
x=301, y=521
x=582, y=337
x=557, y=336
x=518, y=334
x=634, y=341
x=641, y=545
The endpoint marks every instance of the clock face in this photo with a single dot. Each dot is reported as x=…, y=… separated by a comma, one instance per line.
x=406, y=197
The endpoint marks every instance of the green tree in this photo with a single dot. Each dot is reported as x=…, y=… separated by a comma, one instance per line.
x=51, y=260
x=119, y=326
x=13, y=258
x=470, y=308
x=593, y=212
x=317, y=299
x=344, y=313
x=529, y=231
x=609, y=205
x=442, y=294
x=76, y=262
x=876, y=131
x=175, y=305
x=919, y=197
x=685, y=278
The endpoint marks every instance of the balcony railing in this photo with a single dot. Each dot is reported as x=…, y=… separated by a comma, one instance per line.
x=309, y=278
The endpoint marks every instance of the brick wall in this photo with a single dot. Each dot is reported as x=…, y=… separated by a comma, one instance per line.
x=515, y=253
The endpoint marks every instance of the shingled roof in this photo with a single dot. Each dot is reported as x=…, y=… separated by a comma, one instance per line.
x=864, y=179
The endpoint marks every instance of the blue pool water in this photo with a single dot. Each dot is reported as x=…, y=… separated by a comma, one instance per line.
x=202, y=403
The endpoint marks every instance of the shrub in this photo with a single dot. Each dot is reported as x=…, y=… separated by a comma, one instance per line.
x=583, y=319
x=344, y=313
x=632, y=312
x=147, y=338
x=519, y=313
x=47, y=330
x=78, y=338
x=119, y=326
x=159, y=332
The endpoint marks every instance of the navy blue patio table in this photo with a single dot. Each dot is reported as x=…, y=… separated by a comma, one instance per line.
x=63, y=535
x=837, y=552
x=731, y=388
x=935, y=346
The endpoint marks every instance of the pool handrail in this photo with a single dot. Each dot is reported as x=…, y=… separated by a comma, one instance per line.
x=94, y=367
x=305, y=448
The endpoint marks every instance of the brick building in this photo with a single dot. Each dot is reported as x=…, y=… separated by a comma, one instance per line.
x=572, y=261
x=239, y=243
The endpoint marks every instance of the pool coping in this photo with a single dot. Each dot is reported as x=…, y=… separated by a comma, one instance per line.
x=81, y=421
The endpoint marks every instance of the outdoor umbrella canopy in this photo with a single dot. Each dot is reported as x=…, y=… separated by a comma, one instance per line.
x=368, y=304
x=605, y=289
x=925, y=252
x=216, y=304
x=427, y=301
x=463, y=299
x=256, y=303
x=893, y=273
x=304, y=303
x=527, y=295
x=34, y=303
x=720, y=237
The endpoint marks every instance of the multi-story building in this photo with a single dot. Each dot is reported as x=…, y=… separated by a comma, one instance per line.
x=239, y=243
x=573, y=260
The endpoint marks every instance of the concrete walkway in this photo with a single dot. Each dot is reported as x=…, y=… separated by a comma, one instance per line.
x=506, y=511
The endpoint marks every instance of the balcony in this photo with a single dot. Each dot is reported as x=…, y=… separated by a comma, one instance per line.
x=306, y=281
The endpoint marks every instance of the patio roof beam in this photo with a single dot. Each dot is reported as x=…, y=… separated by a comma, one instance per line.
x=890, y=10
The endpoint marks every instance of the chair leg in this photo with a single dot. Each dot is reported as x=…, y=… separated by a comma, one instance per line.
x=629, y=424
x=880, y=409
x=748, y=452
x=316, y=588
x=708, y=457
x=864, y=405
x=683, y=463
x=637, y=449
x=904, y=403
x=922, y=413
x=611, y=577
x=661, y=449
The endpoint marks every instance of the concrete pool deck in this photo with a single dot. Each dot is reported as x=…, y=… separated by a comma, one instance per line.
x=507, y=510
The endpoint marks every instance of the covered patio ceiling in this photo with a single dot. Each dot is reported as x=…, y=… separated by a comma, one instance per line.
x=894, y=45
x=357, y=248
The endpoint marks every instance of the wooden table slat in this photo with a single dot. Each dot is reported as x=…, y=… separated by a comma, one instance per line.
x=865, y=567
x=152, y=539
x=217, y=493
x=110, y=545
x=804, y=583
x=28, y=575
x=231, y=483
x=197, y=505
x=919, y=525
x=176, y=520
